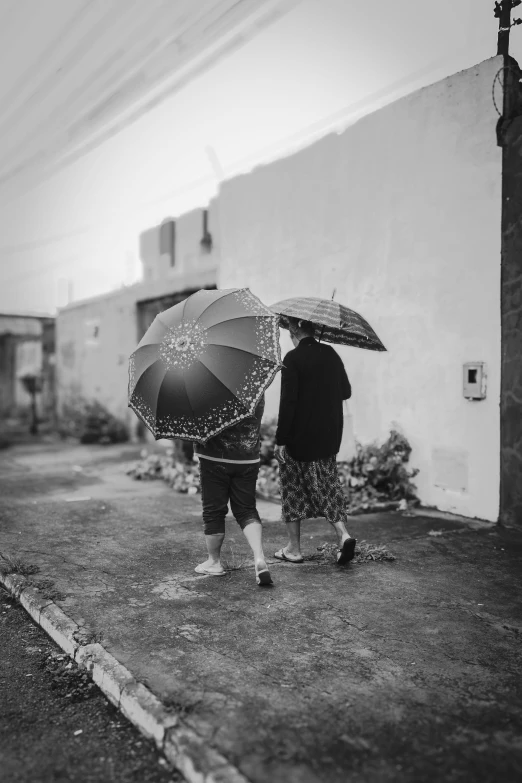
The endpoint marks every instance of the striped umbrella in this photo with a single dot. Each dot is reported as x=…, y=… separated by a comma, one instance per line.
x=334, y=323
x=204, y=364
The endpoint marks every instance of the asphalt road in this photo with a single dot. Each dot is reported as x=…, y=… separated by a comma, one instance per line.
x=55, y=724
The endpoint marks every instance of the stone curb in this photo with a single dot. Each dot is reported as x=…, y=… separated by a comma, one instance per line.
x=181, y=745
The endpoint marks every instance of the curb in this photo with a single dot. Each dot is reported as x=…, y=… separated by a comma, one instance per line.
x=181, y=745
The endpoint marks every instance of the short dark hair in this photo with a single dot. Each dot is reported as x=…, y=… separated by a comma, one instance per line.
x=304, y=326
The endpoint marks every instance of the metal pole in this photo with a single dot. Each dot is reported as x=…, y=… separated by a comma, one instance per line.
x=502, y=12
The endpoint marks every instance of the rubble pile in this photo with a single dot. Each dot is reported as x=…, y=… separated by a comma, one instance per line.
x=181, y=476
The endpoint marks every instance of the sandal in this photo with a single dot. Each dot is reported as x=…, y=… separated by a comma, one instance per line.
x=263, y=577
x=347, y=551
x=200, y=569
x=281, y=555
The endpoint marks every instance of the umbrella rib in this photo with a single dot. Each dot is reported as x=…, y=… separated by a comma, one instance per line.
x=188, y=399
x=241, y=350
x=232, y=291
x=222, y=383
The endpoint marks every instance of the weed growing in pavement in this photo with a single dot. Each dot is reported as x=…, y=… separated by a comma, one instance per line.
x=234, y=561
x=16, y=565
x=47, y=588
x=86, y=636
x=173, y=705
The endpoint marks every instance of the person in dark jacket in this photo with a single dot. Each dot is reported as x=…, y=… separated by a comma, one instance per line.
x=314, y=384
x=229, y=466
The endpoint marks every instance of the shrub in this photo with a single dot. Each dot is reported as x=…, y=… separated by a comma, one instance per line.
x=381, y=471
x=376, y=475
x=91, y=422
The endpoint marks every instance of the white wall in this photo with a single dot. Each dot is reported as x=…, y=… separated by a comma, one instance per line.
x=401, y=214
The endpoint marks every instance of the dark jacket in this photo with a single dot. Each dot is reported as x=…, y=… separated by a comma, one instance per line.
x=239, y=443
x=313, y=386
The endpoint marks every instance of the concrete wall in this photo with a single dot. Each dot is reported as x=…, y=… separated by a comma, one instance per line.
x=96, y=337
x=401, y=215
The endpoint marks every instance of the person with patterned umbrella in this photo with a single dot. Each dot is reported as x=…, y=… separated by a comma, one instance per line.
x=199, y=374
x=332, y=322
x=314, y=385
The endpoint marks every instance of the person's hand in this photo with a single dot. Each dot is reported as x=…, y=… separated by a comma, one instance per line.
x=280, y=453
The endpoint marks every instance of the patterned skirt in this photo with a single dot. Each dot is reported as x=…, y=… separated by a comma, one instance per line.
x=311, y=489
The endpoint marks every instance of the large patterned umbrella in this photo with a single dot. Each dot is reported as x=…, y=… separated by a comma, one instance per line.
x=333, y=322
x=204, y=364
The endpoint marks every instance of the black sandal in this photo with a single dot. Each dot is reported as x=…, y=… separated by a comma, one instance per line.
x=347, y=551
x=263, y=578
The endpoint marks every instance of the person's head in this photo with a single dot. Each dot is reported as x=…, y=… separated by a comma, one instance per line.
x=299, y=329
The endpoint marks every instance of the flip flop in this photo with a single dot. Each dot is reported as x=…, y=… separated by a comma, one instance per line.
x=263, y=578
x=347, y=551
x=281, y=555
x=199, y=569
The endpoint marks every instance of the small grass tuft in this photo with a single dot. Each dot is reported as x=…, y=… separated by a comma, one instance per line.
x=16, y=565
x=234, y=561
x=47, y=588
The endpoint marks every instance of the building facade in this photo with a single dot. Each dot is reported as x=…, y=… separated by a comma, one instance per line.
x=96, y=337
x=411, y=216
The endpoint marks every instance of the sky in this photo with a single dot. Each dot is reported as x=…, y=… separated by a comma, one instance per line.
x=321, y=66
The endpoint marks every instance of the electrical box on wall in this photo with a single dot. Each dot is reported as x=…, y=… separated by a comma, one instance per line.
x=474, y=386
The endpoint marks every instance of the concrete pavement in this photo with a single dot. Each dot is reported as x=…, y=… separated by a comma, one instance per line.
x=404, y=670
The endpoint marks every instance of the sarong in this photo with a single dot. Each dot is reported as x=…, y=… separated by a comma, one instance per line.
x=311, y=489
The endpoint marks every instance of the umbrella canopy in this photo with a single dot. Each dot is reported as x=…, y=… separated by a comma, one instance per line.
x=334, y=323
x=204, y=364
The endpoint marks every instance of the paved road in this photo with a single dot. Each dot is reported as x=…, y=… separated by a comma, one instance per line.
x=55, y=725
x=382, y=672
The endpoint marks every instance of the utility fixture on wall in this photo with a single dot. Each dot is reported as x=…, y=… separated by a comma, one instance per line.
x=206, y=240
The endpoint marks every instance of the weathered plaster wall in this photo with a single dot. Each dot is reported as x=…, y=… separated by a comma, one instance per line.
x=401, y=215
